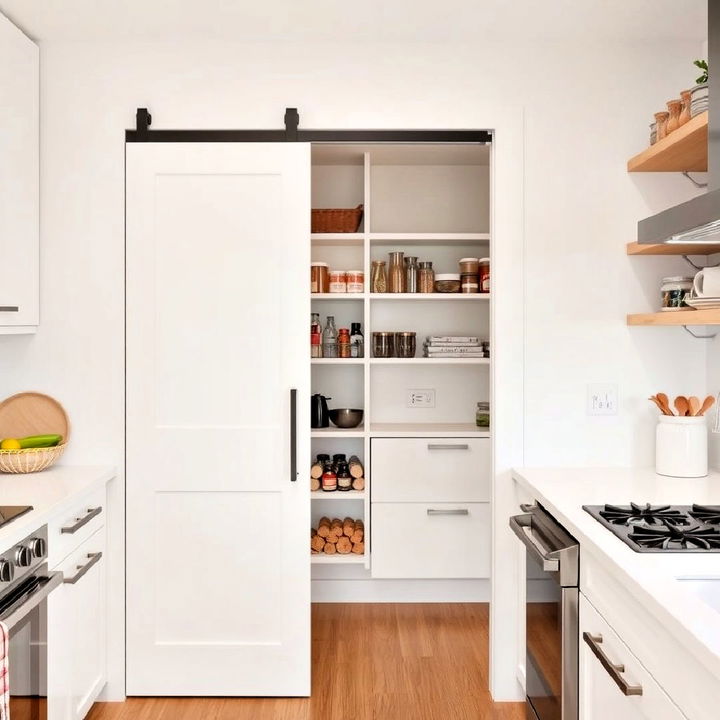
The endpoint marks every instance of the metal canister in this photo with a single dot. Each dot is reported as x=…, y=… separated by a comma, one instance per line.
x=383, y=344
x=405, y=344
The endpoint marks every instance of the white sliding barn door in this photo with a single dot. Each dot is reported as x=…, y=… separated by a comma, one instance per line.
x=218, y=566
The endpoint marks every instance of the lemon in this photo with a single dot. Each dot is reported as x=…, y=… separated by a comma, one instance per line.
x=10, y=444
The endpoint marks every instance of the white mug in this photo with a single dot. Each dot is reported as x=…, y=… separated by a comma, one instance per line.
x=707, y=283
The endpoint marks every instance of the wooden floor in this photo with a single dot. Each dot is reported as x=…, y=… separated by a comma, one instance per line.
x=370, y=662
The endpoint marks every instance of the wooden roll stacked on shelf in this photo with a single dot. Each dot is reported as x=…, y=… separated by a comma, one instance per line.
x=338, y=536
x=356, y=467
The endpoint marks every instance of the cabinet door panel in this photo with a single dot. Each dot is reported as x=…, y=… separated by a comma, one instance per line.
x=19, y=178
x=600, y=696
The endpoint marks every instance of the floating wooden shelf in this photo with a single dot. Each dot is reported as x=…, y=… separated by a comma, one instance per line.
x=682, y=317
x=634, y=248
x=684, y=150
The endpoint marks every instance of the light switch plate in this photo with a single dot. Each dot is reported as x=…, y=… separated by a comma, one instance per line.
x=602, y=399
x=421, y=398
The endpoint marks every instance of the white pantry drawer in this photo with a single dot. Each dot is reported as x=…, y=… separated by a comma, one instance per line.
x=430, y=540
x=430, y=469
x=71, y=528
x=600, y=695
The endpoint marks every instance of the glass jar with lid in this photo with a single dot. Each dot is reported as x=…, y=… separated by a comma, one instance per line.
x=482, y=415
x=378, y=277
x=426, y=277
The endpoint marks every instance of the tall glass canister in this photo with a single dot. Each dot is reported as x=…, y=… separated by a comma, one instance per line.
x=397, y=272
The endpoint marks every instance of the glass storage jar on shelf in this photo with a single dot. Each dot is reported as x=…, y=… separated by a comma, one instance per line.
x=378, y=277
x=426, y=277
x=397, y=272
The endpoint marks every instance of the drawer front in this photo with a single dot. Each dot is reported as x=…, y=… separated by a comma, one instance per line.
x=70, y=529
x=431, y=469
x=430, y=540
x=600, y=695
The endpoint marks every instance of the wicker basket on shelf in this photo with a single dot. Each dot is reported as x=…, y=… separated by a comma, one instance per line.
x=337, y=220
x=27, y=414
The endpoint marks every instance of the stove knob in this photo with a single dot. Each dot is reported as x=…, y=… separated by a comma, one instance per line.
x=23, y=556
x=7, y=571
x=38, y=547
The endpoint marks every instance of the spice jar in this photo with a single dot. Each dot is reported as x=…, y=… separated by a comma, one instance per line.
x=405, y=343
x=355, y=281
x=469, y=266
x=447, y=283
x=482, y=414
x=426, y=277
x=469, y=283
x=329, y=478
x=484, y=271
x=338, y=281
x=397, y=272
x=344, y=479
x=411, y=268
x=383, y=344
x=319, y=280
x=378, y=277
x=344, y=343
x=674, y=290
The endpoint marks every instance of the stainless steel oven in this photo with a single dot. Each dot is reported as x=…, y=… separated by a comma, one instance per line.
x=551, y=613
x=25, y=585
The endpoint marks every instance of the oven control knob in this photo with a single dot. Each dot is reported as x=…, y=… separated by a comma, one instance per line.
x=23, y=556
x=7, y=571
x=38, y=547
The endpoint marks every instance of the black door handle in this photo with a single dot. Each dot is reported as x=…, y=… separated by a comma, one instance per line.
x=293, y=434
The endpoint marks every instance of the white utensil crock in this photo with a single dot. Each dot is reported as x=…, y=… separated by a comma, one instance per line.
x=681, y=448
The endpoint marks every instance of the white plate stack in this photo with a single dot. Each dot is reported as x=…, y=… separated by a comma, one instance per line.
x=703, y=303
x=458, y=346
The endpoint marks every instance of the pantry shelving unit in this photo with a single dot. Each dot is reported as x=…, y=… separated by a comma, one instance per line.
x=426, y=200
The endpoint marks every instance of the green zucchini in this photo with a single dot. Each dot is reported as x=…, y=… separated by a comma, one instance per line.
x=40, y=441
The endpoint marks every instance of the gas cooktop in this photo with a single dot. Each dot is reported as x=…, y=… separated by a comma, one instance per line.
x=8, y=513
x=662, y=528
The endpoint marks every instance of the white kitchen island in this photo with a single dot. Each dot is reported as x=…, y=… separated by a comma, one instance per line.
x=660, y=612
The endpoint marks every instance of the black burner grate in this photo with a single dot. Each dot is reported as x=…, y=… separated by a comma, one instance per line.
x=636, y=514
x=708, y=514
x=671, y=537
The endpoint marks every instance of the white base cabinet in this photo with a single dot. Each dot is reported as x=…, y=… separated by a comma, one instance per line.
x=609, y=670
x=77, y=626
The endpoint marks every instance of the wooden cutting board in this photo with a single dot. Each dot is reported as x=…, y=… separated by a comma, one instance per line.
x=32, y=413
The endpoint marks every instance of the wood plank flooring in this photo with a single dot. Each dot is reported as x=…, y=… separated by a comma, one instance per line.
x=370, y=662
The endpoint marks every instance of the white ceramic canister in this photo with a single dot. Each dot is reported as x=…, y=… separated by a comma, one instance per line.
x=681, y=448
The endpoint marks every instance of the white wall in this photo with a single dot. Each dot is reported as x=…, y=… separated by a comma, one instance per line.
x=586, y=109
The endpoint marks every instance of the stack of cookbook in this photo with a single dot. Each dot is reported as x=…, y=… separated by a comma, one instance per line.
x=458, y=346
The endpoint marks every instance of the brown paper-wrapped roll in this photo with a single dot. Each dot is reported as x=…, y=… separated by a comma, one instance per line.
x=348, y=527
x=314, y=484
x=324, y=527
x=356, y=467
x=329, y=549
x=344, y=546
x=358, y=535
x=317, y=544
x=331, y=538
x=358, y=548
x=316, y=470
x=358, y=484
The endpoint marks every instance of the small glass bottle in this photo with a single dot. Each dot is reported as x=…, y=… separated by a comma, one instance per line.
x=330, y=339
x=378, y=277
x=329, y=478
x=411, y=268
x=315, y=336
x=338, y=458
x=357, y=341
x=426, y=277
x=343, y=343
x=344, y=479
x=482, y=415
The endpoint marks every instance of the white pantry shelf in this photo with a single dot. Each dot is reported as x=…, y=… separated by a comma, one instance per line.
x=419, y=297
x=337, y=296
x=337, y=559
x=428, y=238
x=336, y=361
x=430, y=361
x=338, y=495
x=427, y=430
x=357, y=432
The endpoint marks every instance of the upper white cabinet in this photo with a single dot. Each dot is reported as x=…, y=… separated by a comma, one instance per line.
x=19, y=180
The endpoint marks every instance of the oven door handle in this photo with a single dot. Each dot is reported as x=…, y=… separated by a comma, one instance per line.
x=520, y=525
x=29, y=602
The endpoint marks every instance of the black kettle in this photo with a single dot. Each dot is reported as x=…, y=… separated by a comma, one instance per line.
x=319, y=413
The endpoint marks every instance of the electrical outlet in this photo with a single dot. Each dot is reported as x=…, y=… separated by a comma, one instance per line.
x=421, y=398
x=602, y=399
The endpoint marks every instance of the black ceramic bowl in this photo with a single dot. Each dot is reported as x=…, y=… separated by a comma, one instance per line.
x=346, y=417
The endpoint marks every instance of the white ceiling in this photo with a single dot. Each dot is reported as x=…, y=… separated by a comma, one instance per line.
x=348, y=21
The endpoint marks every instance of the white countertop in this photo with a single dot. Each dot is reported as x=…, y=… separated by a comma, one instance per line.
x=49, y=492
x=650, y=576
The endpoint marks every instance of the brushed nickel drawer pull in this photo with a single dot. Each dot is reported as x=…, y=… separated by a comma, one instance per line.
x=432, y=511
x=448, y=446
x=9, y=308
x=84, y=520
x=613, y=670
x=93, y=559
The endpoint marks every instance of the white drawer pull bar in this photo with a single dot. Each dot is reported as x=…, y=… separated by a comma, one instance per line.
x=84, y=520
x=613, y=670
x=93, y=559
x=464, y=511
x=448, y=446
